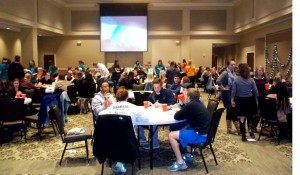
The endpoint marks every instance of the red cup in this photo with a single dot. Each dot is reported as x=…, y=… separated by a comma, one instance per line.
x=146, y=104
x=164, y=107
x=17, y=95
x=23, y=95
x=267, y=86
x=180, y=97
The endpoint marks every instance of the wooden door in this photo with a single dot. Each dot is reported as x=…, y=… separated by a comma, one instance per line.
x=250, y=60
x=47, y=58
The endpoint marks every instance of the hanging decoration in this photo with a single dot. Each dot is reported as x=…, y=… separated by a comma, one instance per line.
x=274, y=64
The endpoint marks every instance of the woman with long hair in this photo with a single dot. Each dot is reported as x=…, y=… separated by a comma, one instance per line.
x=159, y=67
x=244, y=97
x=260, y=81
x=34, y=71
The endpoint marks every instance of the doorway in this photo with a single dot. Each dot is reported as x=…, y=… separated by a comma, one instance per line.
x=250, y=60
x=47, y=58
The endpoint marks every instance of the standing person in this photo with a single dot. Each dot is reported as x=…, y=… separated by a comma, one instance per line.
x=102, y=71
x=81, y=66
x=159, y=67
x=158, y=97
x=102, y=99
x=3, y=70
x=137, y=64
x=260, y=81
x=198, y=119
x=123, y=107
x=190, y=71
x=16, y=70
x=171, y=71
x=34, y=71
x=52, y=69
x=116, y=71
x=225, y=81
x=244, y=97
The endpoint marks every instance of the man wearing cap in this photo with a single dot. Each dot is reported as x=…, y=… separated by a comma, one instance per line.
x=16, y=70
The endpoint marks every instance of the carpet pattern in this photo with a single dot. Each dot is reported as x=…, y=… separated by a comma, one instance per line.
x=51, y=147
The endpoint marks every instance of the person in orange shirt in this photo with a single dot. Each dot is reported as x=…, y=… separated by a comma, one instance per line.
x=190, y=71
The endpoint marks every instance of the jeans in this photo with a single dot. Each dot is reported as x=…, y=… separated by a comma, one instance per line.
x=154, y=138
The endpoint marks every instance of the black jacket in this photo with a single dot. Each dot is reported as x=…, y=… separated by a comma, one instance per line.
x=15, y=70
x=196, y=115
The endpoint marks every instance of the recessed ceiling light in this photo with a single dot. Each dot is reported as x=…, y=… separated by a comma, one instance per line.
x=7, y=28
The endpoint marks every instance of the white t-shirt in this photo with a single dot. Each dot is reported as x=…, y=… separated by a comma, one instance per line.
x=124, y=108
x=102, y=68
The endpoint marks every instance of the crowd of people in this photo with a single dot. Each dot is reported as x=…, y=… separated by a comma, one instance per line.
x=241, y=94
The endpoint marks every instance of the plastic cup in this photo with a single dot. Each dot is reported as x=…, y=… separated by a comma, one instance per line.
x=164, y=107
x=267, y=86
x=17, y=95
x=23, y=95
x=146, y=104
x=180, y=97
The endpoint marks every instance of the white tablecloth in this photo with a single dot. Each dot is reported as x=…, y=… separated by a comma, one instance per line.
x=27, y=100
x=131, y=94
x=156, y=116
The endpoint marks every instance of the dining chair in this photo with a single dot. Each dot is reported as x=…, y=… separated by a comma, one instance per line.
x=140, y=97
x=139, y=87
x=11, y=115
x=269, y=116
x=212, y=106
x=37, y=96
x=114, y=139
x=210, y=137
x=71, y=138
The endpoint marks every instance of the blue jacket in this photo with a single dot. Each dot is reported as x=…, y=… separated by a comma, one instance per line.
x=175, y=88
x=47, y=101
x=166, y=96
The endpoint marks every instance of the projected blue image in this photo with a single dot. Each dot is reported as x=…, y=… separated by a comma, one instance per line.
x=123, y=33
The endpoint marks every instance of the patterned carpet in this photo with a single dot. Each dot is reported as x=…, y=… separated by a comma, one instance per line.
x=50, y=148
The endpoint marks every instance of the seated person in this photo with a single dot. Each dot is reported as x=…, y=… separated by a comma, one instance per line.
x=148, y=82
x=46, y=79
x=6, y=88
x=17, y=89
x=158, y=97
x=102, y=99
x=62, y=83
x=131, y=80
x=78, y=78
x=69, y=76
x=124, y=108
x=87, y=88
x=199, y=119
x=26, y=82
x=175, y=87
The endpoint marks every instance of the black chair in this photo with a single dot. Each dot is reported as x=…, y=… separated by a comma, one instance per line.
x=114, y=139
x=136, y=87
x=210, y=136
x=269, y=116
x=11, y=115
x=70, y=138
x=212, y=106
x=290, y=91
x=140, y=97
x=29, y=93
x=72, y=91
x=37, y=96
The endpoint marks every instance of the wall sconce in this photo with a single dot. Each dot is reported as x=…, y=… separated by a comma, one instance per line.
x=177, y=42
x=78, y=43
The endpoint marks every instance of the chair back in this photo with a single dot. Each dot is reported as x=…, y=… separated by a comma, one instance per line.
x=29, y=93
x=54, y=111
x=140, y=97
x=148, y=86
x=215, y=120
x=38, y=95
x=136, y=87
x=114, y=138
x=86, y=90
x=11, y=109
x=268, y=111
x=212, y=106
x=72, y=93
x=290, y=91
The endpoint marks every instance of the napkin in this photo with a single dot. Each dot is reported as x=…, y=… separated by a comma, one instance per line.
x=75, y=131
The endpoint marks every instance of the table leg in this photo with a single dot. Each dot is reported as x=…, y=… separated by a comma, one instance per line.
x=151, y=147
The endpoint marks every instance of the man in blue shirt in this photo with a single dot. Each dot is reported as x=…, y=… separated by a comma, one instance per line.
x=175, y=88
x=158, y=97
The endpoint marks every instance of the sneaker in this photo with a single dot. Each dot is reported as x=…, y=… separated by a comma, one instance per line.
x=177, y=167
x=119, y=168
x=188, y=159
x=147, y=147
